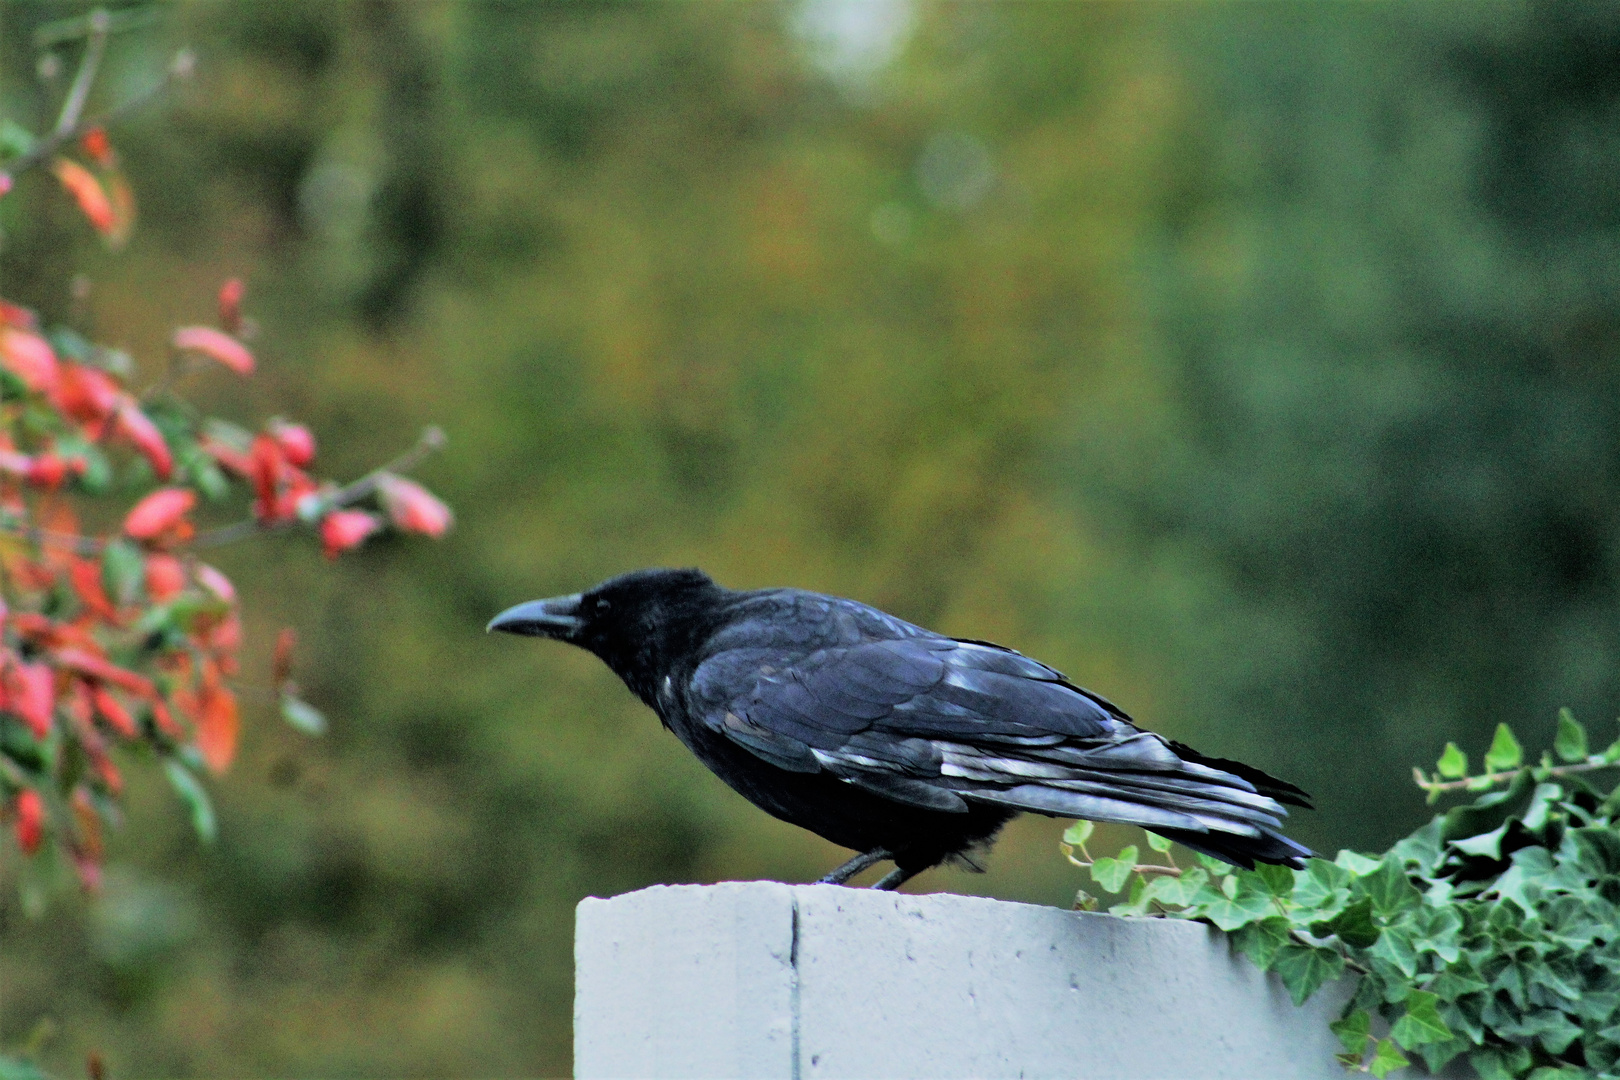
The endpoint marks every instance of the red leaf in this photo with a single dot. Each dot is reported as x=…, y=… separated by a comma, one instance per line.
x=87, y=395
x=217, y=727
x=269, y=463
x=29, y=357
x=281, y=666
x=30, y=823
x=165, y=721
x=230, y=305
x=47, y=471
x=295, y=441
x=138, y=428
x=226, y=636
x=412, y=506
x=32, y=696
x=112, y=710
x=216, y=345
x=216, y=582
x=165, y=576
x=95, y=144
x=82, y=184
x=229, y=456
x=86, y=578
x=87, y=663
x=344, y=529
x=159, y=512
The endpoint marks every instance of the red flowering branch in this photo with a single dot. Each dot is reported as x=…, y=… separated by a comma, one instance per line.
x=125, y=638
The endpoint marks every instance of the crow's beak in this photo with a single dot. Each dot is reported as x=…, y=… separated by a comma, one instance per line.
x=555, y=618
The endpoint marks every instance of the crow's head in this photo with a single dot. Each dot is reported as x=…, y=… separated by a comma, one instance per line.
x=634, y=622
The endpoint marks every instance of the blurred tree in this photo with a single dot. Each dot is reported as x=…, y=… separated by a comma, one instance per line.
x=679, y=295
x=1390, y=281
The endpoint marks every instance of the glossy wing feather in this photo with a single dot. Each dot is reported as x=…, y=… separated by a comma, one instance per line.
x=937, y=723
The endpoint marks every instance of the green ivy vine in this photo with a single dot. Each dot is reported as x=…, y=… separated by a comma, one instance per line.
x=1493, y=931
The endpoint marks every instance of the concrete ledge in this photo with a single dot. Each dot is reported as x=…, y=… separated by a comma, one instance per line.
x=757, y=979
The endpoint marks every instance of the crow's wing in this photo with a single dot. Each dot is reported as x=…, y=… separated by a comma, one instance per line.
x=937, y=722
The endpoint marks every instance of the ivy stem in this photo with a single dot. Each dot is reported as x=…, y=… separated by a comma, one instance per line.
x=1436, y=785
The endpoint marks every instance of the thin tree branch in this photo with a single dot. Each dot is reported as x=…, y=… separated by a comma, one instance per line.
x=181, y=67
x=432, y=439
x=79, y=93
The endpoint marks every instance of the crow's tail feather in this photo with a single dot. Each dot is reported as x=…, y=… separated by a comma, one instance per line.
x=1244, y=851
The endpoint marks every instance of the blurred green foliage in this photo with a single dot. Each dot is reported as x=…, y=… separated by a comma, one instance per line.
x=1254, y=365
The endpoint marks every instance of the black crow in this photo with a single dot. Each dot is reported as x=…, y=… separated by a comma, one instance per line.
x=893, y=740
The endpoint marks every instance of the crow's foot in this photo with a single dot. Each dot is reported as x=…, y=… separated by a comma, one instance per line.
x=855, y=866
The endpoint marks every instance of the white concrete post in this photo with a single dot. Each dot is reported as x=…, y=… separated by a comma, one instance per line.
x=794, y=982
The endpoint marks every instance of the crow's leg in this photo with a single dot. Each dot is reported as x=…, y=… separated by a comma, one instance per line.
x=854, y=866
x=897, y=877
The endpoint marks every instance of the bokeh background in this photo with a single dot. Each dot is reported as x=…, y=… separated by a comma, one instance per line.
x=1254, y=364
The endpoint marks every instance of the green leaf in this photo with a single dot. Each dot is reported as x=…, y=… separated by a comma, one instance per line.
x=1354, y=925
x=1571, y=741
x=1500, y=1063
x=1389, y=888
x=1354, y=1032
x=15, y=140
x=1421, y=1022
x=1386, y=1059
x=1304, y=968
x=1323, y=884
x=1158, y=843
x=1078, y=833
x=302, y=715
x=191, y=792
x=1259, y=941
x=123, y=570
x=1112, y=873
x=1230, y=912
x=1278, y=880
x=1505, y=752
x=1453, y=764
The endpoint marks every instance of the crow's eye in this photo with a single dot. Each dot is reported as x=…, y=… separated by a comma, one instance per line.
x=600, y=604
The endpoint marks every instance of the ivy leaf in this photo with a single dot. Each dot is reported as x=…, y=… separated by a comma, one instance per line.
x=1277, y=880
x=1354, y=925
x=1304, y=968
x=1571, y=741
x=1500, y=1063
x=1612, y=754
x=1421, y=1022
x=1112, y=873
x=1505, y=752
x=1321, y=885
x=1354, y=1032
x=1078, y=833
x=1158, y=843
x=1230, y=912
x=1453, y=764
x=1259, y=941
x=1386, y=1059
x=1389, y=889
